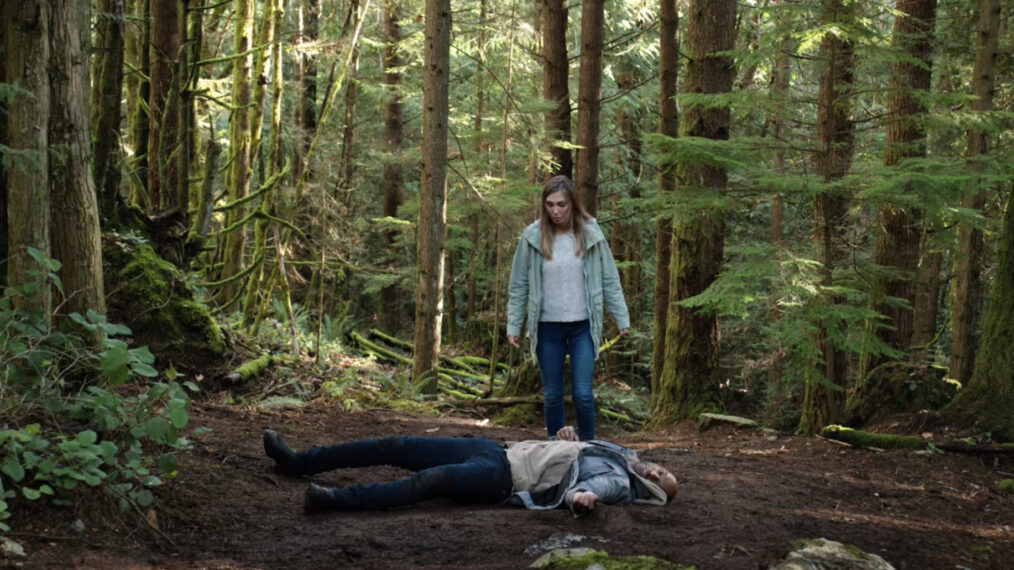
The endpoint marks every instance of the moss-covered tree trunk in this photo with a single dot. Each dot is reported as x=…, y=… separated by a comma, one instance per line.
x=390, y=309
x=254, y=288
x=989, y=395
x=668, y=125
x=238, y=180
x=822, y=400
x=259, y=73
x=589, y=104
x=107, y=90
x=432, y=196
x=968, y=265
x=556, y=85
x=26, y=42
x=305, y=72
x=74, y=214
x=688, y=384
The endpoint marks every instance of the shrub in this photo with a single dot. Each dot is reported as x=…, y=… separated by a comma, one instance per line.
x=79, y=408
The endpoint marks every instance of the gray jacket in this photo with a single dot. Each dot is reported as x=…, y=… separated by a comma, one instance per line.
x=601, y=284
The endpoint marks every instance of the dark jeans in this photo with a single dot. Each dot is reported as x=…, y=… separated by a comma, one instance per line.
x=557, y=340
x=473, y=470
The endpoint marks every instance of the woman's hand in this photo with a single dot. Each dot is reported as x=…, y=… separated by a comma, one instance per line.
x=513, y=341
x=566, y=433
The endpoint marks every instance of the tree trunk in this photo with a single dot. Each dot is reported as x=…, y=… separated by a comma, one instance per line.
x=272, y=165
x=780, y=82
x=898, y=244
x=238, y=181
x=390, y=300
x=138, y=97
x=265, y=41
x=926, y=303
x=967, y=278
x=589, y=104
x=344, y=186
x=668, y=125
x=26, y=37
x=164, y=178
x=555, y=86
x=989, y=396
x=822, y=404
x=626, y=235
x=74, y=214
x=4, y=140
x=432, y=196
x=482, y=147
x=306, y=71
x=108, y=89
x=688, y=384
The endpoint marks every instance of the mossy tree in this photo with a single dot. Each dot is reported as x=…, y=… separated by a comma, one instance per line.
x=989, y=395
x=967, y=272
x=688, y=384
x=238, y=180
x=668, y=126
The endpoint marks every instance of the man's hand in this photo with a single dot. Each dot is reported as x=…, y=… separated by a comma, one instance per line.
x=567, y=433
x=513, y=341
x=584, y=501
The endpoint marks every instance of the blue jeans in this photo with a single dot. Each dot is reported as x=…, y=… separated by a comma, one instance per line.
x=557, y=340
x=473, y=470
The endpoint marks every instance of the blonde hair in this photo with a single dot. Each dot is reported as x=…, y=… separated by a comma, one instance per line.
x=578, y=215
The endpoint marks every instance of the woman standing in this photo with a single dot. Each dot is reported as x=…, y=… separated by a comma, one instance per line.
x=563, y=271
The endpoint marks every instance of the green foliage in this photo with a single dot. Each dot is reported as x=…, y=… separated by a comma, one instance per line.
x=70, y=423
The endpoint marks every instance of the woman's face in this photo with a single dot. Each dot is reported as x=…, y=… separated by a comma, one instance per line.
x=558, y=207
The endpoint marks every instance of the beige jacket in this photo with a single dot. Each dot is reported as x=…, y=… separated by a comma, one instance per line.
x=544, y=471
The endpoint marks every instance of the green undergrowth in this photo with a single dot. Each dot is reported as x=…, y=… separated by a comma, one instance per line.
x=81, y=407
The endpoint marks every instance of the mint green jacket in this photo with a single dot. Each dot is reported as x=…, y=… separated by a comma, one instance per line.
x=601, y=284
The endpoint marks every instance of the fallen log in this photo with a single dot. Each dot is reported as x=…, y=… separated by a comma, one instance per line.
x=405, y=345
x=249, y=369
x=870, y=440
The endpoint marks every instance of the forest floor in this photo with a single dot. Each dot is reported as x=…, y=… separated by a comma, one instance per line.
x=745, y=495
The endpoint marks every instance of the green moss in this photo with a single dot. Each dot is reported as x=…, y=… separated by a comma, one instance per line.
x=867, y=439
x=197, y=319
x=252, y=368
x=158, y=305
x=520, y=415
x=607, y=561
x=1006, y=485
x=406, y=406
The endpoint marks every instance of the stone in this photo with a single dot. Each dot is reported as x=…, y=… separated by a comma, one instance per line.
x=823, y=554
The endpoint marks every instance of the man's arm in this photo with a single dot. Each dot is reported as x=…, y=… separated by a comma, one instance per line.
x=607, y=488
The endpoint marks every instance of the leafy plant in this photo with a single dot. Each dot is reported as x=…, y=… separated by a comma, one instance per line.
x=73, y=418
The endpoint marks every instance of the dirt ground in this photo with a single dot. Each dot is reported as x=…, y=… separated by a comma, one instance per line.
x=745, y=495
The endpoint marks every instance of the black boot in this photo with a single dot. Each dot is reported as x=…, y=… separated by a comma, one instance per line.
x=322, y=499
x=286, y=461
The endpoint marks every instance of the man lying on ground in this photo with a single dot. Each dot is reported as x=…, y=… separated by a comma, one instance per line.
x=536, y=474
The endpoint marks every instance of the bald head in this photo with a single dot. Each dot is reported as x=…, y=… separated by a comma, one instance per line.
x=658, y=475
